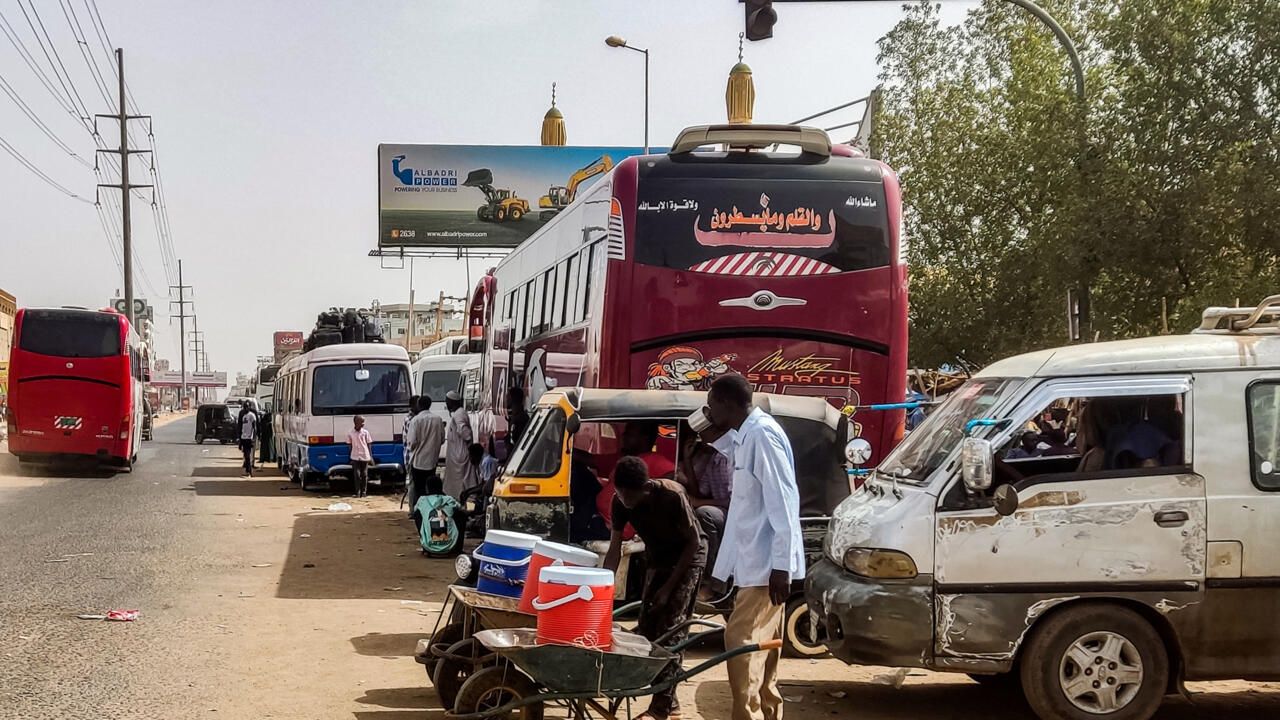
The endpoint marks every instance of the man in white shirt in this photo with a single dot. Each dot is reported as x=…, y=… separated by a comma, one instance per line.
x=248, y=431
x=762, y=550
x=422, y=442
x=458, y=438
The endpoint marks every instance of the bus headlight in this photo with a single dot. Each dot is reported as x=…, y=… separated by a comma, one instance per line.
x=462, y=566
x=879, y=564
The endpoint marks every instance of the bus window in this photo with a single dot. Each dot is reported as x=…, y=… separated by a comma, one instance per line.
x=71, y=334
x=585, y=281
x=568, y=306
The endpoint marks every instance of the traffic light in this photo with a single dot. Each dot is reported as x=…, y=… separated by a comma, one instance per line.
x=760, y=19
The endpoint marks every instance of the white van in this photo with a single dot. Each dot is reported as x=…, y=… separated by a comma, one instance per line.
x=1126, y=546
x=318, y=394
x=433, y=377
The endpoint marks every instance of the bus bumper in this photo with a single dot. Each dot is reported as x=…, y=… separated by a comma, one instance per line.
x=873, y=622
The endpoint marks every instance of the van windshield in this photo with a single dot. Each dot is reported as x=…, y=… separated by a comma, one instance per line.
x=930, y=444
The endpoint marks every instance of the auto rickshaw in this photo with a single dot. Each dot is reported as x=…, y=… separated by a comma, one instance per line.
x=572, y=426
x=214, y=422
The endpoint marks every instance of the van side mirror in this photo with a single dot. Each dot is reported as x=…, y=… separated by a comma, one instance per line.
x=1005, y=500
x=857, y=451
x=976, y=459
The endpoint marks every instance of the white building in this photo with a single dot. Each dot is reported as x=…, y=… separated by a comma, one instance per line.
x=395, y=322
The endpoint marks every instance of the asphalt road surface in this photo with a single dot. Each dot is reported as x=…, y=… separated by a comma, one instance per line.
x=258, y=602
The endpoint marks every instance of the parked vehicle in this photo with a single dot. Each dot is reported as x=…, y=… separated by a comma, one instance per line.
x=673, y=269
x=75, y=386
x=146, y=420
x=318, y=393
x=216, y=421
x=535, y=491
x=433, y=377
x=1101, y=572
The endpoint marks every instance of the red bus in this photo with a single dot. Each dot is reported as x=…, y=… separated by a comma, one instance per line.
x=75, y=386
x=674, y=269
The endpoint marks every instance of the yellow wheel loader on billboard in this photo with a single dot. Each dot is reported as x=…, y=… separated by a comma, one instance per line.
x=500, y=205
x=559, y=197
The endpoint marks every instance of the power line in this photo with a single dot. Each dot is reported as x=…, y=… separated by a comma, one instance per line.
x=40, y=173
x=77, y=33
x=16, y=41
x=26, y=109
x=72, y=94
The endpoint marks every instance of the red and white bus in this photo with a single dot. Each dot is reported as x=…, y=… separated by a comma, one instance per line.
x=674, y=269
x=75, y=386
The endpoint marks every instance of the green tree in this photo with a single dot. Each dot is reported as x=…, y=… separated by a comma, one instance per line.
x=1161, y=187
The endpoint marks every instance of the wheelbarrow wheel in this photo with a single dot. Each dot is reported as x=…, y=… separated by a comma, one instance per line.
x=493, y=687
x=452, y=672
x=447, y=635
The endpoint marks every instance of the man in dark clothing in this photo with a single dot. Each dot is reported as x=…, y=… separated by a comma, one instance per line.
x=677, y=554
x=517, y=418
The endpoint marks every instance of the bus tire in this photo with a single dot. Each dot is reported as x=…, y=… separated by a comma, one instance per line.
x=306, y=480
x=199, y=439
x=1095, y=662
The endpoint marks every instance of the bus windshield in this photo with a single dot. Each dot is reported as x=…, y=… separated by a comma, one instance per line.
x=721, y=225
x=337, y=391
x=925, y=449
x=72, y=334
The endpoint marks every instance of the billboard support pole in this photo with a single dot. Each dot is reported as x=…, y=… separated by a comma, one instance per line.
x=408, y=333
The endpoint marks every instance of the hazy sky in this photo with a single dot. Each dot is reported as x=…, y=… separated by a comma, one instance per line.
x=268, y=113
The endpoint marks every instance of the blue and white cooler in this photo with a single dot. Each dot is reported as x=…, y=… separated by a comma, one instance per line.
x=503, y=561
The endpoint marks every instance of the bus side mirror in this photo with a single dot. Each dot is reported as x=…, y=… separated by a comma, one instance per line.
x=976, y=458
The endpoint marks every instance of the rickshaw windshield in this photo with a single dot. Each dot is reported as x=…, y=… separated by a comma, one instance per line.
x=925, y=449
x=541, y=450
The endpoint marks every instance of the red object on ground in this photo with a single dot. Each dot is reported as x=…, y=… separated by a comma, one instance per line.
x=123, y=615
x=548, y=554
x=575, y=607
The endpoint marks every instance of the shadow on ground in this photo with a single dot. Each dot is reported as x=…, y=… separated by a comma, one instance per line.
x=387, y=645
x=418, y=698
x=425, y=714
x=255, y=487
x=361, y=555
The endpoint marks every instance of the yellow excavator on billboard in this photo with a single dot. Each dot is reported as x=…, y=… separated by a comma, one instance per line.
x=559, y=197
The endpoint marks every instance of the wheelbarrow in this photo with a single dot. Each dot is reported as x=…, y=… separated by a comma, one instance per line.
x=586, y=681
x=452, y=654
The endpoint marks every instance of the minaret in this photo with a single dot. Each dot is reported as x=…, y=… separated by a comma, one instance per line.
x=553, y=123
x=740, y=94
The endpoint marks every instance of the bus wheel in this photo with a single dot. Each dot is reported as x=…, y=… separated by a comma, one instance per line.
x=795, y=632
x=1097, y=662
x=199, y=439
x=306, y=480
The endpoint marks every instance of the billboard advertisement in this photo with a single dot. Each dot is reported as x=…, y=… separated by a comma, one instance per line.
x=285, y=342
x=490, y=196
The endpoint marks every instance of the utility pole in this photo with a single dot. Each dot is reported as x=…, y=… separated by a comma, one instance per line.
x=123, y=117
x=440, y=316
x=182, y=302
x=197, y=348
x=408, y=333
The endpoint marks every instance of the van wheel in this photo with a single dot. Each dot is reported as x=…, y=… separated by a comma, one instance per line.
x=795, y=632
x=1095, y=661
x=307, y=480
x=199, y=439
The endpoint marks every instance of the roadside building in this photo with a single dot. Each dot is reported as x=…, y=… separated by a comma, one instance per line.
x=8, y=309
x=451, y=316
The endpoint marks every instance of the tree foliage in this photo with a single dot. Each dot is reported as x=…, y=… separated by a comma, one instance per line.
x=1163, y=187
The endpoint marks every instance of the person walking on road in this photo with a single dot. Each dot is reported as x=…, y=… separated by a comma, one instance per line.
x=660, y=512
x=762, y=550
x=458, y=439
x=248, y=432
x=422, y=441
x=361, y=443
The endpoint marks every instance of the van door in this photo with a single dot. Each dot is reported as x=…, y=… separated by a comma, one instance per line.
x=1119, y=512
x=1238, y=452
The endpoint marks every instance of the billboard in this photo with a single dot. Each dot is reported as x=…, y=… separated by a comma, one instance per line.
x=490, y=196
x=142, y=309
x=284, y=342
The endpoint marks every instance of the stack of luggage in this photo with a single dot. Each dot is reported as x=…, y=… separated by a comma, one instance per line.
x=338, y=326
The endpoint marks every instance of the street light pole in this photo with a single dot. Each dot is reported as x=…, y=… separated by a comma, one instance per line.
x=617, y=42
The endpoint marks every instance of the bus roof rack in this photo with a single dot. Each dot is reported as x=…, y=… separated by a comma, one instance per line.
x=1265, y=316
x=809, y=139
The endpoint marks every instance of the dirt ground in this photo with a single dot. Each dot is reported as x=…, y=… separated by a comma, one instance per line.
x=259, y=602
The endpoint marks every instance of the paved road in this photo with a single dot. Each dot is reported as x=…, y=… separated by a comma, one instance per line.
x=257, y=602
